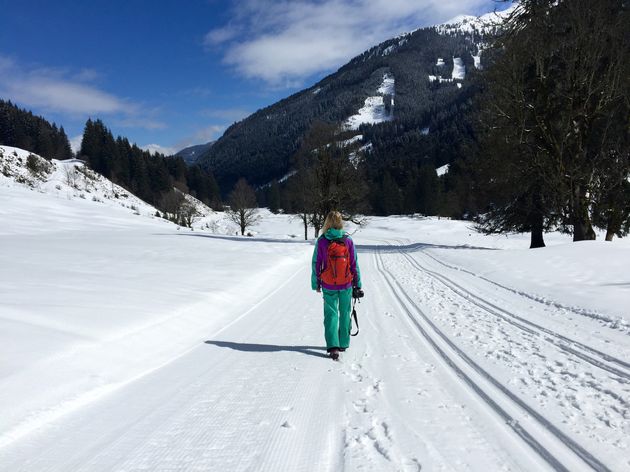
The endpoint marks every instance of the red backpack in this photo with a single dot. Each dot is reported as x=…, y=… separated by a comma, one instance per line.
x=337, y=270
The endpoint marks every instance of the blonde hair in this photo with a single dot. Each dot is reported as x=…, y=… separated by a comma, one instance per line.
x=333, y=220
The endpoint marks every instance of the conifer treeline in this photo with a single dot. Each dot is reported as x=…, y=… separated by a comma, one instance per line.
x=148, y=176
x=20, y=128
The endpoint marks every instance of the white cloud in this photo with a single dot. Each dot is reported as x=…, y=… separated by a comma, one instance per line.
x=287, y=41
x=54, y=90
x=75, y=143
x=71, y=93
x=208, y=133
x=221, y=35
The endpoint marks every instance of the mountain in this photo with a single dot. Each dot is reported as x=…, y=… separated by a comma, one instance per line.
x=407, y=97
x=192, y=153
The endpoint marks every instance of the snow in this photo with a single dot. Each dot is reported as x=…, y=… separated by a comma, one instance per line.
x=129, y=344
x=389, y=49
x=387, y=87
x=459, y=69
x=373, y=111
x=68, y=179
x=351, y=141
x=459, y=72
x=469, y=24
x=402, y=40
x=477, y=60
x=442, y=170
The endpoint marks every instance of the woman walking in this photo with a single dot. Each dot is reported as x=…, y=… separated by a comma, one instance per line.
x=336, y=273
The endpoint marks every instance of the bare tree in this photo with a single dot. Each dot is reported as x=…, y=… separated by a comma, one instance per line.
x=243, y=210
x=188, y=213
x=326, y=178
x=71, y=176
x=300, y=190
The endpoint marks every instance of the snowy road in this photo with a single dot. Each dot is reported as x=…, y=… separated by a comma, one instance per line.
x=127, y=345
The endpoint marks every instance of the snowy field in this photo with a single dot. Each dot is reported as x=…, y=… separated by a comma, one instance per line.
x=128, y=344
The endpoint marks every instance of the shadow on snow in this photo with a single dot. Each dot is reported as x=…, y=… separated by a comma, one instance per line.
x=247, y=347
x=361, y=247
x=239, y=238
x=415, y=247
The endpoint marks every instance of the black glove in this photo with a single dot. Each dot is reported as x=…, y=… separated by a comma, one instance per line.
x=357, y=292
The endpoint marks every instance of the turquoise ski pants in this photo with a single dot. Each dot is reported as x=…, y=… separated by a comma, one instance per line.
x=337, y=307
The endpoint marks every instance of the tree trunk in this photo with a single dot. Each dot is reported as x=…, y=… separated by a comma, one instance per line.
x=582, y=228
x=613, y=224
x=305, y=222
x=537, y=222
x=537, y=239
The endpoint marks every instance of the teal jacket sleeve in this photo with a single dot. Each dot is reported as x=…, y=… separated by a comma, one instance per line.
x=314, y=280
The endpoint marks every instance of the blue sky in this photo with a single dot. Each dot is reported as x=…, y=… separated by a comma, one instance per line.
x=168, y=74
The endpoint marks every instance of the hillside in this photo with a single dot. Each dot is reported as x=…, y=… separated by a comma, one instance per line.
x=408, y=98
x=192, y=153
x=72, y=181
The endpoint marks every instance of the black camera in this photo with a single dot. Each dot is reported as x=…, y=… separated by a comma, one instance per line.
x=357, y=292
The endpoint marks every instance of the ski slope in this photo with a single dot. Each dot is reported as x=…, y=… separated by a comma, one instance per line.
x=128, y=344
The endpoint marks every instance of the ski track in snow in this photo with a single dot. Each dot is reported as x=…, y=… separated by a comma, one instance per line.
x=586, y=400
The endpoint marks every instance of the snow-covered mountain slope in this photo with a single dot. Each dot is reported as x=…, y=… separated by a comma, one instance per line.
x=127, y=344
x=376, y=110
x=71, y=180
x=480, y=25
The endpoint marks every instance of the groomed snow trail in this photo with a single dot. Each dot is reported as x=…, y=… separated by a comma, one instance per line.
x=437, y=379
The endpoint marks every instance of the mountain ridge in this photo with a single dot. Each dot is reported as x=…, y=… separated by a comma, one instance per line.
x=425, y=94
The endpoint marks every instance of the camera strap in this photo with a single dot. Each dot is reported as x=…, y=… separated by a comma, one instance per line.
x=354, y=316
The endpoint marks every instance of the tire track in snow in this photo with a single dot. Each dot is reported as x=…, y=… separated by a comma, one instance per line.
x=509, y=411
x=529, y=326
